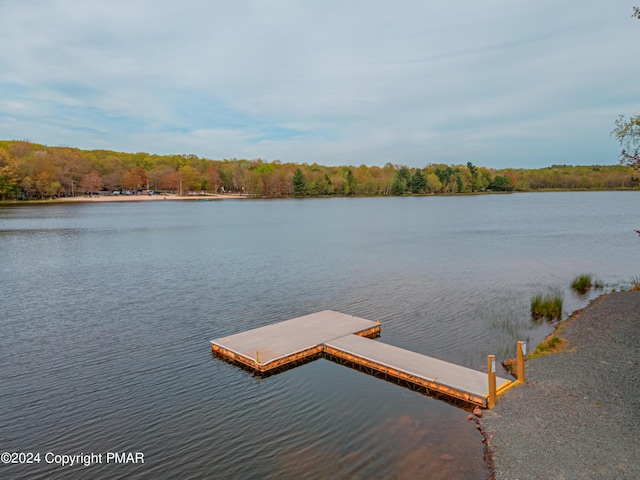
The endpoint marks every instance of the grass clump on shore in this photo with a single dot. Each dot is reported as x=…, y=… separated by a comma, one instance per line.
x=635, y=284
x=550, y=345
x=582, y=283
x=548, y=306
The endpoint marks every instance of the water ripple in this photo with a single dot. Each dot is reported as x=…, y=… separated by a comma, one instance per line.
x=107, y=311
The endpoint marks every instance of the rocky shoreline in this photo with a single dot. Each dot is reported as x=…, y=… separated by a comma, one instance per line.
x=578, y=416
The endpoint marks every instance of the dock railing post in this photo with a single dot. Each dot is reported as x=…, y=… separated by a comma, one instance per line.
x=522, y=351
x=491, y=369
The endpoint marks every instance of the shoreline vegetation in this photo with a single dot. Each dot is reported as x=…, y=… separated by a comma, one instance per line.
x=30, y=171
x=170, y=196
x=549, y=306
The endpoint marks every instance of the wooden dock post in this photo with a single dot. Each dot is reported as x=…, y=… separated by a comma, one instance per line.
x=522, y=351
x=491, y=373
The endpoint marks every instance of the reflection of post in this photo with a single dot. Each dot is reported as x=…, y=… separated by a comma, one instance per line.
x=522, y=351
x=491, y=369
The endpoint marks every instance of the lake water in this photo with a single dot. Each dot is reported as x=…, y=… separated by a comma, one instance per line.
x=106, y=312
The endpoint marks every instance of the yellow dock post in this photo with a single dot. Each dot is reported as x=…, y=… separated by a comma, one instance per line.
x=522, y=351
x=491, y=373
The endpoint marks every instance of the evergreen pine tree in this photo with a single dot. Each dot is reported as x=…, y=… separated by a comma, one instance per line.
x=299, y=184
x=418, y=182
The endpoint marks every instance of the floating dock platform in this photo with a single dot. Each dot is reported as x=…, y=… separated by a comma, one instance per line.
x=275, y=346
x=345, y=339
x=442, y=378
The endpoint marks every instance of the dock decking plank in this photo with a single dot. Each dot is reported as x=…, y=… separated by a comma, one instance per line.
x=286, y=338
x=438, y=371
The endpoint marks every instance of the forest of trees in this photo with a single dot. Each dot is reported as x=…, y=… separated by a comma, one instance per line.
x=31, y=171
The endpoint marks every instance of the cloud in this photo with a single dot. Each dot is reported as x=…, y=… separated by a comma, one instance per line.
x=497, y=83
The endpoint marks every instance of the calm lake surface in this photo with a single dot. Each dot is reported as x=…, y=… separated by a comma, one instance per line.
x=106, y=312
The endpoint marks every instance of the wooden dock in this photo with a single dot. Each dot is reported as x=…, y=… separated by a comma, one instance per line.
x=275, y=346
x=444, y=378
x=341, y=338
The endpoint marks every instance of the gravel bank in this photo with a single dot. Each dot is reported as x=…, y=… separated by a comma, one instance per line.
x=579, y=414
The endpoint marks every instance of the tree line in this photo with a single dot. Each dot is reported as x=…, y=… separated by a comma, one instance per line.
x=32, y=171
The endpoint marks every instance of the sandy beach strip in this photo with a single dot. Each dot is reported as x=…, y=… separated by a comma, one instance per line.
x=147, y=198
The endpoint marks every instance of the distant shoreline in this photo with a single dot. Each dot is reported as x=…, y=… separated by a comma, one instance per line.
x=226, y=196
x=149, y=198
x=127, y=198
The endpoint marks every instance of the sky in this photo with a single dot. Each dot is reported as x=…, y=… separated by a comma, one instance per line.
x=499, y=83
